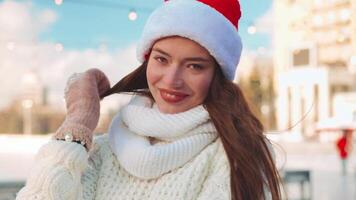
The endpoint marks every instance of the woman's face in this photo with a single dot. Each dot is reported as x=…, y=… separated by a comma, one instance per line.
x=179, y=73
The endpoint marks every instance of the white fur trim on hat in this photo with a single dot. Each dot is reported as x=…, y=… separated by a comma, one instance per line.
x=198, y=22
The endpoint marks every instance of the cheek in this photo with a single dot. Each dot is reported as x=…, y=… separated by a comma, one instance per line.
x=151, y=74
x=202, y=87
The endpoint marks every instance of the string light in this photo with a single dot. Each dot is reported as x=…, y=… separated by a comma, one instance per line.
x=252, y=29
x=58, y=47
x=132, y=15
x=110, y=5
x=58, y=2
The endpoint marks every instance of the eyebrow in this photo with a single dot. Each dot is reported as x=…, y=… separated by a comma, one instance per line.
x=185, y=59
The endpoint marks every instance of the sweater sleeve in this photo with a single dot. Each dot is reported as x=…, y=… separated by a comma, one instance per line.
x=217, y=184
x=62, y=171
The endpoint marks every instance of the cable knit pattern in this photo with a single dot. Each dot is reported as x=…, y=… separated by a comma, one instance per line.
x=144, y=120
x=57, y=172
x=142, y=159
x=59, y=175
x=79, y=132
x=214, y=187
x=66, y=171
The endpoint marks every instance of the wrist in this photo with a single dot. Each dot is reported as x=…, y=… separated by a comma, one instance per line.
x=68, y=137
x=74, y=132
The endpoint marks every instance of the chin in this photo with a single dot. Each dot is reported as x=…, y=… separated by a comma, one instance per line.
x=167, y=110
x=171, y=109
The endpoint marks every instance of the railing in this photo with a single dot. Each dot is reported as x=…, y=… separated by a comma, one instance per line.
x=8, y=190
x=302, y=178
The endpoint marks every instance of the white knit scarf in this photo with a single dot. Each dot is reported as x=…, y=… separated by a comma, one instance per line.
x=181, y=136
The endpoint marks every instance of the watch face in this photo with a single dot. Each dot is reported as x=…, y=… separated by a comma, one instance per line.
x=68, y=137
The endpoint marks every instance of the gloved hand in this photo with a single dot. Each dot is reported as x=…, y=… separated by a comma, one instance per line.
x=82, y=96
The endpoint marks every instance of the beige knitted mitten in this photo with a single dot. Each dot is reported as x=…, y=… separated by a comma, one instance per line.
x=82, y=96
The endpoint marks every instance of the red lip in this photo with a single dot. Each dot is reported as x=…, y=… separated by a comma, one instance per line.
x=172, y=96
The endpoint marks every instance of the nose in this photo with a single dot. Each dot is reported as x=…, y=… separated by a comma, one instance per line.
x=173, y=77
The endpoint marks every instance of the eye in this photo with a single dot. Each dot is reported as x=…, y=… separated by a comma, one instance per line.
x=160, y=59
x=196, y=67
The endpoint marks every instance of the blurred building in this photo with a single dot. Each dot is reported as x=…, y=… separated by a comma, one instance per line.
x=315, y=59
x=30, y=112
x=254, y=78
x=31, y=94
x=32, y=88
x=345, y=105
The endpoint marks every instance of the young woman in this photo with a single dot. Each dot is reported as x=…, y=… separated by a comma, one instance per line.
x=187, y=133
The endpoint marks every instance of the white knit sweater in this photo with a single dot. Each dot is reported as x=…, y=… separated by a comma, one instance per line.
x=63, y=171
x=187, y=162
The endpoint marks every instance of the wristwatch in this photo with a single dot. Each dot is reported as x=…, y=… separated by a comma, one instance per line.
x=68, y=137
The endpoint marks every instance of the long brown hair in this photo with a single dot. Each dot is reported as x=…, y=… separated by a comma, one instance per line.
x=252, y=166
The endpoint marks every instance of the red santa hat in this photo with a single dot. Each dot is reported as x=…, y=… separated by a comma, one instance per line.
x=211, y=23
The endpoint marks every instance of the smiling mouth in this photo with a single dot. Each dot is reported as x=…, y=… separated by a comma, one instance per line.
x=172, y=96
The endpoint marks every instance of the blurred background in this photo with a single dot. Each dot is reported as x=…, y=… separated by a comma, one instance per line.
x=298, y=71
